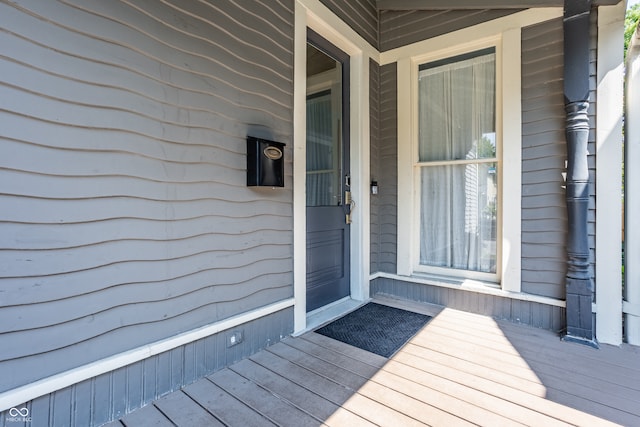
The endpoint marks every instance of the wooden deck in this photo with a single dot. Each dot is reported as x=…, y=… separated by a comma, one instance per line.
x=461, y=369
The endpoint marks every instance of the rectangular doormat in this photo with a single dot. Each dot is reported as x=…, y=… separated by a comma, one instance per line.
x=377, y=328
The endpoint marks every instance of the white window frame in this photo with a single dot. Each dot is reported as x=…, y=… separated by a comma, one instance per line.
x=508, y=145
x=505, y=35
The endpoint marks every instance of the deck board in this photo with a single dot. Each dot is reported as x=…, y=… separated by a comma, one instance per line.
x=330, y=356
x=367, y=405
x=313, y=381
x=611, y=384
x=455, y=363
x=321, y=386
x=516, y=346
x=589, y=383
x=339, y=374
x=149, y=416
x=223, y=406
x=269, y=405
x=470, y=391
x=339, y=347
x=460, y=369
x=435, y=404
x=185, y=412
x=296, y=395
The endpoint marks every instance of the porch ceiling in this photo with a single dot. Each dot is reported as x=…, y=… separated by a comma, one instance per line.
x=475, y=4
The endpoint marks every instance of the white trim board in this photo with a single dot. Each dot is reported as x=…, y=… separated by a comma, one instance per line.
x=632, y=193
x=20, y=395
x=609, y=110
x=299, y=168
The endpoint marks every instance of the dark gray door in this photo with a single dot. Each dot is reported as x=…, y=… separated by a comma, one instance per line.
x=327, y=173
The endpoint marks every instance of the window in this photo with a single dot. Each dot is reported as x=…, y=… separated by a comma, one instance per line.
x=498, y=185
x=457, y=164
x=324, y=129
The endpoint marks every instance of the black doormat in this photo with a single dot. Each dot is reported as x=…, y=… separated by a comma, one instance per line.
x=376, y=328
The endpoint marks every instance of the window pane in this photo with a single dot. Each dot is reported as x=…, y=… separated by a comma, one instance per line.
x=458, y=217
x=457, y=110
x=323, y=151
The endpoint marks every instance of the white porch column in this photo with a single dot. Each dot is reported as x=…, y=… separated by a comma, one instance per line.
x=632, y=194
x=609, y=106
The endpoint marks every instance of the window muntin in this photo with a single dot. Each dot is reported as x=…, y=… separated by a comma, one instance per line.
x=457, y=163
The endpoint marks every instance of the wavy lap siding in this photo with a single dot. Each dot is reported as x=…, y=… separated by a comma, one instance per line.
x=361, y=15
x=544, y=223
x=403, y=27
x=124, y=215
x=593, y=83
x=388, y=158
x=374, y=132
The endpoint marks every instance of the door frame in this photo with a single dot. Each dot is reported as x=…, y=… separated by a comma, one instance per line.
x=312, y=14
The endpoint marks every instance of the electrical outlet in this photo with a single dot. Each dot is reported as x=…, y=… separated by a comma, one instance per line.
x=235, y=338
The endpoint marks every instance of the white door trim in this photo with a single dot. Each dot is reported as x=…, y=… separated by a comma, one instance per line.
x=314, y=15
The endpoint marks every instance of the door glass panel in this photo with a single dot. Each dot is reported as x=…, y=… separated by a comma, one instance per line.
x=324, y=130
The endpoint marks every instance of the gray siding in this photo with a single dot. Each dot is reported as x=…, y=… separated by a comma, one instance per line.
x=113, y=394
x=526, y=312
x=400, y=28
x=361, y=15
x=124, y=215
x=544, y=216
x=593, y=84
x=374, y=131
x=387, y=198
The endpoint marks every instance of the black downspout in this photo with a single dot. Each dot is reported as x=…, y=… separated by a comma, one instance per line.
x=579, y=283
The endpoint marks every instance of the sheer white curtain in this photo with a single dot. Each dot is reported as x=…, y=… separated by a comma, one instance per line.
x=457, y=164
x=319, y=149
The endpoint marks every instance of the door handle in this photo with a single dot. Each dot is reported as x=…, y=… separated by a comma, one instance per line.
x=349, y=206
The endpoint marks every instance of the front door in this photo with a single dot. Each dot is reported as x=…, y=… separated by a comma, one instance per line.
x=328, y=180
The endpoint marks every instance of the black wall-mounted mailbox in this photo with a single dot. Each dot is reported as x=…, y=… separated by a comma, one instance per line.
x=265, y=162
